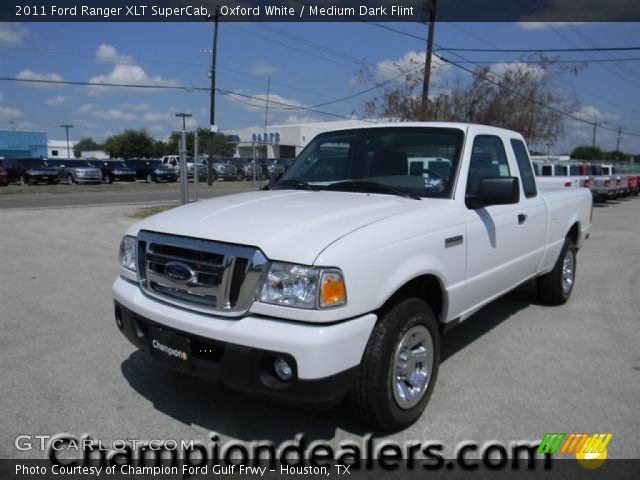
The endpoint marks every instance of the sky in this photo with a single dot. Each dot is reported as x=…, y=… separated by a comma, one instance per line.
x=308, y=64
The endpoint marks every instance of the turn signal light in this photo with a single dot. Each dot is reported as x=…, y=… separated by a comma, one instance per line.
x=333, y=292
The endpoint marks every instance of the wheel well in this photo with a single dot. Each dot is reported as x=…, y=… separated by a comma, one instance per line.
x=574, y=233
x=424, y=287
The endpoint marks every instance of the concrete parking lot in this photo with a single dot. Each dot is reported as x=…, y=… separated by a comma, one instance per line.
x=512, y=372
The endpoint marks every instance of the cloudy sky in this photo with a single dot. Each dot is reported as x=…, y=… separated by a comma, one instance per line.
x=309, y=64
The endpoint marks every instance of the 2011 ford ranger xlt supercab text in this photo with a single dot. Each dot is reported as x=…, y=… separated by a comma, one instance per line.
x=340, y=280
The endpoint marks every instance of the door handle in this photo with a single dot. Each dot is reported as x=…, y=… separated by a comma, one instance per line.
x=522, y=218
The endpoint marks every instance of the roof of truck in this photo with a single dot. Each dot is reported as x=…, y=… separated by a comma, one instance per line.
x=459, y=125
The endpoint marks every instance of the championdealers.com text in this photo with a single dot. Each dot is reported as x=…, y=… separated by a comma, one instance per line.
x=84, y=455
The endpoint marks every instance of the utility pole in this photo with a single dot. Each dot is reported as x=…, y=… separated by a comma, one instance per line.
x=595, y=125
x=618, y=138
x=67, y=127
x=213, y=128
x=427, y=62
x=184, y=194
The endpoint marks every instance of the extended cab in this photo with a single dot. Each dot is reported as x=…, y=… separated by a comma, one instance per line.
x=340, y=280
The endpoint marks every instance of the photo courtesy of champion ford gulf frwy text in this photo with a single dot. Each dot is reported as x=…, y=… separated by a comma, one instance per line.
x=368, y=239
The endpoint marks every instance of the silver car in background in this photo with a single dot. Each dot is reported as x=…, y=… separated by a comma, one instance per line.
x=80, y=171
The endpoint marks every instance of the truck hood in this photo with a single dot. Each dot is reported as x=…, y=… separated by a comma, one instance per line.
x=288, y=225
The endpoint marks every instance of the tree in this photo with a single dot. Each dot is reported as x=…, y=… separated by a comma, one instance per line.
x=586, y=152
x=130, y=144
x=213, y=144
x=515, y=99
x=617, y=155
x=86, y=144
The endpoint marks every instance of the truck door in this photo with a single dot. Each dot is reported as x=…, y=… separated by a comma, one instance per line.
x=504, y=242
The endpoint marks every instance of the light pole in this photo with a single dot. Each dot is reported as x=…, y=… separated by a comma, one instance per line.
x=67, y=127
x=184, y=194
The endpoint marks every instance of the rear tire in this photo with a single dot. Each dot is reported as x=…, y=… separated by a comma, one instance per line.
x=149, y=178
x=399, y=367
x=555, y=287
x=108, y=179
x=22, y=180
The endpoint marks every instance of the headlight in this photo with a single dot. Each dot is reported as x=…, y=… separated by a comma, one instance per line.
x=127, y=253
x=305, y=287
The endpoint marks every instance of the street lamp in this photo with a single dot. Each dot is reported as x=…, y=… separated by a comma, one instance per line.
x=67, y=127
x=184, y=116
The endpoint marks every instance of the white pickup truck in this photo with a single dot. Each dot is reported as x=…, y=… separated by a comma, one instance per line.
x=340, y=281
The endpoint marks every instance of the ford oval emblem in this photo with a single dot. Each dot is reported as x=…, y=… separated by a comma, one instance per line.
x=179, y=272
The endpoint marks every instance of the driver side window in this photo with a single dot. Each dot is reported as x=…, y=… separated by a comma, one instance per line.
x=488, y=159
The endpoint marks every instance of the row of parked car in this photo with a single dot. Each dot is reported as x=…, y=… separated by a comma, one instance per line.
x=605, y=180
x=38, y=170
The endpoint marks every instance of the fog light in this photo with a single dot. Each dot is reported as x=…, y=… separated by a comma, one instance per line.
x=283, y=369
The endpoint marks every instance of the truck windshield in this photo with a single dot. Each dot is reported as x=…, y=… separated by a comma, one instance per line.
x=410, y=161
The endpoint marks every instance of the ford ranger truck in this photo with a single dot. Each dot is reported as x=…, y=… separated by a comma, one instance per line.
x=339, y=282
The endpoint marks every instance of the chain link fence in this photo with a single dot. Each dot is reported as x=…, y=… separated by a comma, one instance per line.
x=219, y=159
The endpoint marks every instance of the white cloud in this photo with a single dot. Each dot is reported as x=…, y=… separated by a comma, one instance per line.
x=56, y=101
x=136, y=107
x=499, y=69
x=297, y=119
x=530, y=26
x=108, y=54
x=12, y=34
x=9, y=113
x=108, y=114
x=156, y=116
x=31, y=75
x=127, y=75
x=258, y=102
x=261, y=68
x=26, y=126
x=408, y=63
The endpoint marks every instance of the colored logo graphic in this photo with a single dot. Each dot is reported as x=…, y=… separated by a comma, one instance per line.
x=590, y=449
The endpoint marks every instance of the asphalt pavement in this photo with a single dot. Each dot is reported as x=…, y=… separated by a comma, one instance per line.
x=512, y=372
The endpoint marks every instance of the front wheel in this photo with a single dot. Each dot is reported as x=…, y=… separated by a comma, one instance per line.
x=69, y=179
x=108, y=179
x=149, y=178
x=23, y=180
x=555, y=287
x=399, y=367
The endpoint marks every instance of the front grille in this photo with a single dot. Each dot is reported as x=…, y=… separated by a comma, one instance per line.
x=212, y=276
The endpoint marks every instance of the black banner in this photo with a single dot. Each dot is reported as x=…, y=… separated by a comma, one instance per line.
x=318, y=11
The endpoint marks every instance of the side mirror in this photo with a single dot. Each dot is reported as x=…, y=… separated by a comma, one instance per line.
x=495, y=191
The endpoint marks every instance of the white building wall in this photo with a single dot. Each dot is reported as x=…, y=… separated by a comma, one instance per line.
x=58, y=149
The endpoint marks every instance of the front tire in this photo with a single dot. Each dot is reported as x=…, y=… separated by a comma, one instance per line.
x=23, y=180
x=108, y=179
x=69, y=179
x=555, y=287
x=149, y=178
x=399, y=367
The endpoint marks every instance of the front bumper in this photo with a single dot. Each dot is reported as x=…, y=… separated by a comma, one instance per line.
x=88, y=178
x=239, y=352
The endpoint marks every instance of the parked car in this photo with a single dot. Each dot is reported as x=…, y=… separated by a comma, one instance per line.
x=223, y=168
x=79, y=171
x=599, y=183
x=274, y=166
x=340, y=280
x=152, y=171
x=173, y=161
x=620, y=187
x=4, y=179
x=29, y=170
x=249, y=169
x=114, y=170
x=556, y=175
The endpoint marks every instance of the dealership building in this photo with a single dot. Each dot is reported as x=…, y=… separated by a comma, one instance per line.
x=283, y=141
x=58, y=149
x=22, y=143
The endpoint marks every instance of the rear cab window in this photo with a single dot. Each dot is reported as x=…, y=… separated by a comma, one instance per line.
x=524, y=165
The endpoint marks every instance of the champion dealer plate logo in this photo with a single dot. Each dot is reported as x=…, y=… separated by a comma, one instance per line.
x=172, y=352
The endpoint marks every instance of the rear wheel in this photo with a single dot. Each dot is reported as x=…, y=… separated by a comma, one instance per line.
x=23, y=180
x=399, y=367
x=149, y=178
x=108, y=179
x=555, y=287
x=239, y=176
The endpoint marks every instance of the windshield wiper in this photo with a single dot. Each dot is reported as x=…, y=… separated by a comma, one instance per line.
x=294, y=183
x=371, y=187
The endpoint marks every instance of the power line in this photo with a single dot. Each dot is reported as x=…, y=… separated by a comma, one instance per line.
x=184, y=88
x=540, y=50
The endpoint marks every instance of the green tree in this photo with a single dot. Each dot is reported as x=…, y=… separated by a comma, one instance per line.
x=617, y=155
x=131, y=144
x=586, y=152
x=86, y=144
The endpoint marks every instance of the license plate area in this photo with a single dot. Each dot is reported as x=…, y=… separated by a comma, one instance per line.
x=169, y=348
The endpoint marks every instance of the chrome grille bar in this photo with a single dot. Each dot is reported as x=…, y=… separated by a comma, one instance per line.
x=222, y=278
